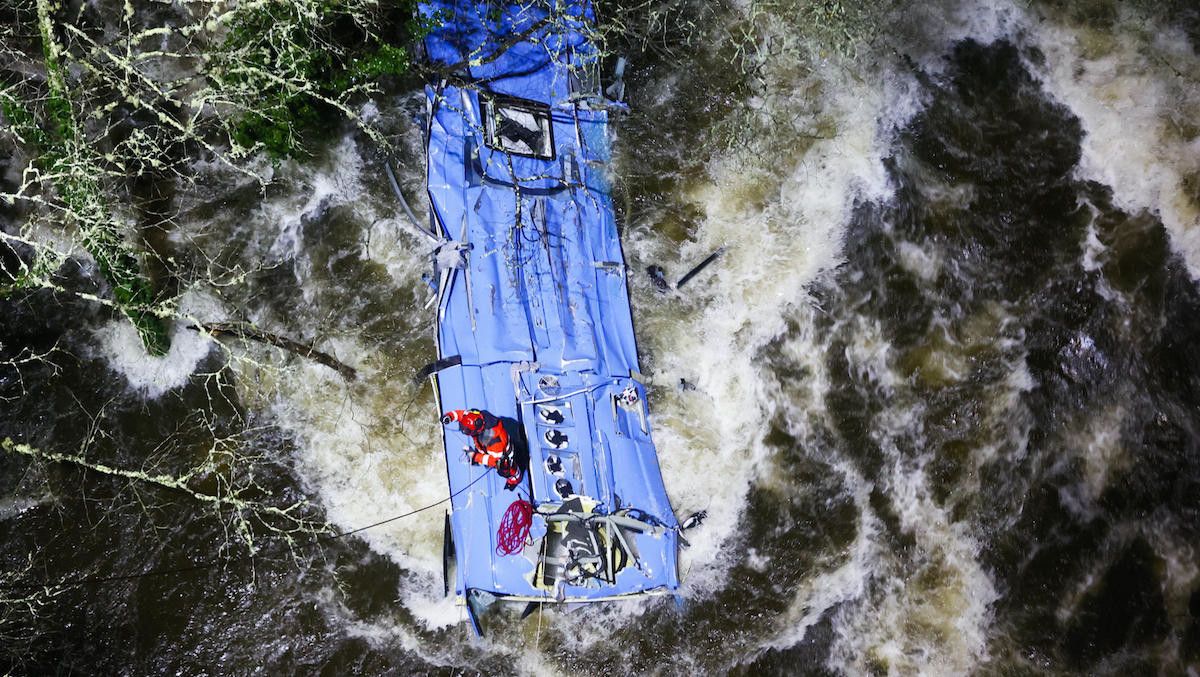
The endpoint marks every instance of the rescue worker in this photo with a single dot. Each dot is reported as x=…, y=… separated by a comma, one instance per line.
x=493, y=448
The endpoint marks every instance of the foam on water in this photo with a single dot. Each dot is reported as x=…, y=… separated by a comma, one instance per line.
x=118, y=343
x=1100, y=451
x=926, y=31
x=846, y=582
x=1134, y=87
x=777, y=244
x=1181, y=570
x=779, y=240
x=315, y=190
x=920, y=262
x=388, y=635
x=930, y=615
x=939, y=621
x=370, y=450
x=925, y=609
x=367, y=464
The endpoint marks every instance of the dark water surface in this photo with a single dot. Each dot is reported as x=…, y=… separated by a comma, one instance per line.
x=956, y=431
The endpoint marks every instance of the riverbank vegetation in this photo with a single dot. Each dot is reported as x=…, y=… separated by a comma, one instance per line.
x=109, y=112
x=106, y=107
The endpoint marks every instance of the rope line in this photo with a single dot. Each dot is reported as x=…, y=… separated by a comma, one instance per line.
x=514, y=528
x=92, y=580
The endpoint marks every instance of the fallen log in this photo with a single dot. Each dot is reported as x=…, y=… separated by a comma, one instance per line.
x=248, y=332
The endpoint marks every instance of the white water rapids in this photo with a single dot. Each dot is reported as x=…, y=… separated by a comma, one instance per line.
x=781, y=206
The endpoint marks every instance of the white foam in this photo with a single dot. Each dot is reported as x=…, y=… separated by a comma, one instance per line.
x=940, y=622
x=1097, y=446
x=1134, y=89
x=922, y=611
x=929, y=614
x=314, y=189
x=370, y=450
x=118, y=343
x=1181, y=571
x=777, y=244
x=927, y=31
x=847, y=582
x=782, y=215
x=924, y=263
x=368, y=464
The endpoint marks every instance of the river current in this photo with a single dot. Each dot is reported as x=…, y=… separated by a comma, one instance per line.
x=940, y=396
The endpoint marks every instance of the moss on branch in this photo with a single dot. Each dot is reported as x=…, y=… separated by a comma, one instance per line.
x=57, y=147
x=307, y=61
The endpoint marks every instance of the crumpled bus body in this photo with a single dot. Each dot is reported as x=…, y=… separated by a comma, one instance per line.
x=533, y=312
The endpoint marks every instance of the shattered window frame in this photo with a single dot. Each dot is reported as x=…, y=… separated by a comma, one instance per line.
x=492, y=106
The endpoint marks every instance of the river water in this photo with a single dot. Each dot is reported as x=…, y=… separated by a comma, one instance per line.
x=942, y=398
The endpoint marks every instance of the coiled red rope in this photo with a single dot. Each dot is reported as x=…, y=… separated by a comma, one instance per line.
x=514, y=528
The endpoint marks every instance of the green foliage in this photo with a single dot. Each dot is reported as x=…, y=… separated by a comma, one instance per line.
x=22, y=123
x=300, y=57
x=276, y=127
x=386, y=60
x=118, y=100
x=54, y=143
x=131, y=291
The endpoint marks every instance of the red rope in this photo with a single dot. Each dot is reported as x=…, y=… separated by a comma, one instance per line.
x=514, y=528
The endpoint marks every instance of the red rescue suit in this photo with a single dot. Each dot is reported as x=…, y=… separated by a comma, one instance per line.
x=493, y=448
